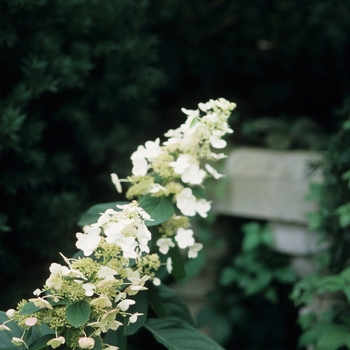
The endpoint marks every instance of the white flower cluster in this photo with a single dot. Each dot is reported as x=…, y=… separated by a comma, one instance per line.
x=105, y=282
x=117, y=261
x=125, y=229
x=181, y=158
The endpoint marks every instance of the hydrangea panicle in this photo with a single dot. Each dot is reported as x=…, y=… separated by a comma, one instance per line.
x=116, y=259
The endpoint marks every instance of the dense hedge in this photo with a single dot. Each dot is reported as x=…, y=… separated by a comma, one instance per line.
x=76, y=86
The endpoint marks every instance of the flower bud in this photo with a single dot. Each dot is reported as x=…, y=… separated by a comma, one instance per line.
x=31, y=321
x=10, y=312
x=86, y=343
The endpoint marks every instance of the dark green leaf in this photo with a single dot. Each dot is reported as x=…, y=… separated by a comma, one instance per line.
x=178, y=271
x=159, y=208
x=140, y=306
x=98, y=343
x=228, y=275
x=173, y=305
x=29, y=309
x=330, y=284
x=78, y=313
x=154, y=301
x=332, y=337
x=41, y=342
x=194, y=266
x=175, y=334
x=198, y=192
x=5, y=336
x=116, y=338
x=93, y=213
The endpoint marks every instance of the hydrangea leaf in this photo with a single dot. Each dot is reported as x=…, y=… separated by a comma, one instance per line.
x=41, y=342
x=78, y=313
x=173, y=305
x=5, y=337
x=176, y=334
x=159, y=208
x=178, y=271
x=29, y=309
x=116, y=338
x=140, y=306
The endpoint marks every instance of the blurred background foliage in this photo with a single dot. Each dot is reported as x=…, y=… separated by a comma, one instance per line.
x=83, y=82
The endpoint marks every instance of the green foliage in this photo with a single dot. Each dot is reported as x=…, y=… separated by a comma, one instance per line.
x=256, y=278
x=35, y=337
x=29, y=309
x=327, y=327
x=252, y=270
x=140, y=306
x=159, y=208
x=167, y=303
x=78, y=313
x=176, y=334
x=77, y=77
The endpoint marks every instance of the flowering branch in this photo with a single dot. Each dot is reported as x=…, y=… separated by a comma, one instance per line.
x=125, y=246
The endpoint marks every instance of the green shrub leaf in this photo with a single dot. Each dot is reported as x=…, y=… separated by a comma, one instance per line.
x=178, y=271
x=173, y=305
x=78, y=313
x=29, y=309
x=176, y=334
x=41, y=342
x=159, y=208
x=140, y=306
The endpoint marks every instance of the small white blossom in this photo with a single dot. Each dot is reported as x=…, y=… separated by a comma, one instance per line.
x=133, y=317
x=89, y=289
x=202, y=207
x=31, y=321
x=165, y=244
x=194, y=249
x=184, y=238
x=190, y=112
x=193, y=175
x=186, y=202
x=106, y=273
x=18, y=342
x=88, y=241
x=181, y=164
x=169, y=265
x=152, y=150
x=3, y=327
x=156, y=281
x=10, y=312
x=216, y=142
x=113, y=230
x=41, y=303
x=56, y=342
x=116, y=182
x=37, y=292
x=86, y=342
x=124, y=304
x=143, y=236
x=140, y=166
x=157, y=188
x=101, y=302
x=213, y=172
